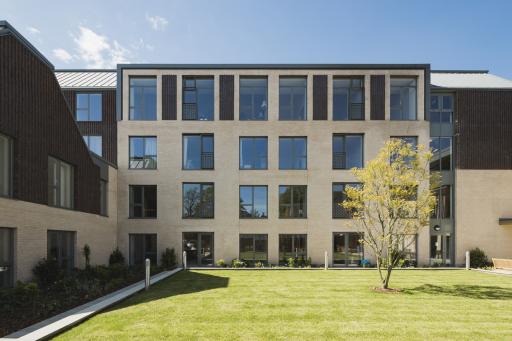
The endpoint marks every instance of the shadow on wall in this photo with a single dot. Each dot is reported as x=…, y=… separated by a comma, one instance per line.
x=182, y=283
x=466, y=291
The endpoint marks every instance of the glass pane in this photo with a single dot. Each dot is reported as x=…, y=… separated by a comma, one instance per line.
x=192, y=152
x=149, y=103
x=207, y=143
x=286, y=159
x=191, y=200
x=260, y=202
x=285, y=103
x=136, y=152
x=246, y=202
x=137, y=81
x=354, y=250
x=82, y=101
x=260, y=153
x=340, y=103
x=253, y=99
x=82, y=115
x=285, y=202
x=150, y=201
x=354, y=150
x=445, y=152
x=207, y=201
x=205, y=99
x=246, y=247
x=300, y=153
x=95, y=145
x=189, y=96
x=65, y=185
x=299, y=202
x=95, y=107
x=448, y=102
x=445, y=202
x=434, y=102
x=339, y=249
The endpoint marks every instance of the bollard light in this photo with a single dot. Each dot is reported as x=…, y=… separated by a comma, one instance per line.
x=184, y=260
x=467, y=260
x=148, y=269
x=326, y=260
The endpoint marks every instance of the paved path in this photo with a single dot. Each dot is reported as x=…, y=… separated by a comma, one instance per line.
x=497, y=271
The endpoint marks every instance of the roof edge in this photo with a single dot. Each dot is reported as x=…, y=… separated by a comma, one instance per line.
x=85, y=70
x=273, y=66
x=460, y=71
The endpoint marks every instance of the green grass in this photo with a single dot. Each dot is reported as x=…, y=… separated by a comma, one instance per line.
x=310, y=305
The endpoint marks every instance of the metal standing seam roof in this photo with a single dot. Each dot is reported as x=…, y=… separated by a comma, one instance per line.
x=87, y=79
x=469, y=80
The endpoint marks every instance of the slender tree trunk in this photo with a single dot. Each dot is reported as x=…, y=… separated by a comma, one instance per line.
x=388, y=276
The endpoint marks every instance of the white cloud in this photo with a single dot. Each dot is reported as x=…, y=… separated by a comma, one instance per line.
x=62, y=55
x=156, y=22
x=33, y=30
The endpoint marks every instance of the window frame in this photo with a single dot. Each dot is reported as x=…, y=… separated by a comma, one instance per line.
x=334, y=135
x=252, y=146
x=201, y=135
x=145, y=156
x=292, y=202
x=252, y=202
x=131, y=202
x=293, y=151
x=201, y=184
x=144, y=114
x=349, y=103
x=57, y=186
x=185, y=88
x=441, y=110
x=241, y=78
x=415, y=78
x=10, y=166
x=284, y=77
x=88, y=108
x=253, y=236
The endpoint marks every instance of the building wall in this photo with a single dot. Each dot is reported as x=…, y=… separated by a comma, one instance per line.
x=227, y=177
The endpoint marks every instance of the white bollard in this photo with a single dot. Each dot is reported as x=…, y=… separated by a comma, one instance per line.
x=148, y=269
x=184, y=260
x=326, y=259
x=467, y=260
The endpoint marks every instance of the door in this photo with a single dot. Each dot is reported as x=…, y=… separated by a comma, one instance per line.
x=199, y=248
x=347, y=251
x=6, y=257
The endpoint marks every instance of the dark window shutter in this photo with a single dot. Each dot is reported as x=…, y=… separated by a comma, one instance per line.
x=227, y=97
x=169, y=99
x=377, y=97
x=320, y=97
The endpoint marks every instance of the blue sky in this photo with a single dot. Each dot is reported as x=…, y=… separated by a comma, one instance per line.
x=453, y=34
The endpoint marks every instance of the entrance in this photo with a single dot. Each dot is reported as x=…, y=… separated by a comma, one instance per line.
x=199, y=248
x=347, y=251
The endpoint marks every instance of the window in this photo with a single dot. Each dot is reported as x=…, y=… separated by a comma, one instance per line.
x=442, y=209
x=6, y=162
x=254, y=248
x=338, y=197
x=412, y=140
x=441, y=249
x=143, y=98
x=143, y=201
x=60, y=183
x=441, y=108
x=143, y=153
x=442, y=158
x=94, y=144
x=409, y=247
x=198, y=200
x=347, y=250
x=88, y=107
x=142, y=247
x=253, y=152
x=403, y=99
x=6, y=257
x=347, y=151
x=253, y=99
x=103, y=197
x=61, y=248
x=292, y=246
x=292, y=98
x=293, y=153
x=293, y=201
x=198, y=151
x=348, y=99
x=198, y=98
x=253, y=202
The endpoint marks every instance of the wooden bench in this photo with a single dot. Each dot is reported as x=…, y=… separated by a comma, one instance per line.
x=500, y=263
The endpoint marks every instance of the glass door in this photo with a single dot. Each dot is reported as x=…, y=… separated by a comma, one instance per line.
x=347, y=251
x=199, y=248
x=206, y=249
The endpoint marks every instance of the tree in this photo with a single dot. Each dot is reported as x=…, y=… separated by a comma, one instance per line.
x=394, y=202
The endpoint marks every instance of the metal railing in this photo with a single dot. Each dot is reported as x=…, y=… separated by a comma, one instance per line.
x=339, y=160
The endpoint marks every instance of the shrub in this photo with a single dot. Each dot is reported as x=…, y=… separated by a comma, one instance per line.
x=47, y=272
x=116, y=257
x=118, y=270
x=221, y=263
x=308, y=262
x=259, y=265
x=237, y=263
x=291, y=262
x=87, y=254
x=301, y=262
x=168, y=259
x=478, y=258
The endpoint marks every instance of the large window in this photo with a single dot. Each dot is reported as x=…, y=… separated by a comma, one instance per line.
x=253, y=202
x=88, y=107
x=143, y=152
x=198, y=98
x=198, y=151
x=253, y=98
x=143, y=201
x=292, y=246
x=293, y=201
x=142, y=247
x=348, y=99
x=293, y=153
x=6, y=257
x=292, y=98
x=412, y=140
x=61, y=248
x=198, y=200
x=5, y=166
x=94, y=144
x=403, y=99
x=338, y=197
x=60, y=183
x=103, y=197
x=442, y=208
x=441, y=108
x=143, y=98
x=254, y=248
x=347, y=250
x=441, y=249
x=253, y=152
x=442, y=158
x=347, y=151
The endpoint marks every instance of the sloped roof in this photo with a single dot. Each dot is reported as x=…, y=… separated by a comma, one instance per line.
x=86, y=78
x=468, y=80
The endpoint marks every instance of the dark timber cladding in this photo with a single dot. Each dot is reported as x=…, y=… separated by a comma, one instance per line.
x=227, y=97
x=107, y=128
x=169, y=100
x=320, y=97
x=377, y=97
x=34, y=113
x=483, y=129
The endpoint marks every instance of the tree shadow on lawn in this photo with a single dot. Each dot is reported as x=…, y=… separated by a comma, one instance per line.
x=466, y=291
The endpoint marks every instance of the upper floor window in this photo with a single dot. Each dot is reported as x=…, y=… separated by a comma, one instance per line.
x=143, y=98
x=442, y=209
x=293, y=153
x=60, y=183
x=88, y=107
x=442, y=154
x=143, y=201
x=292, y=98
x=198, y=151
x=293, y=201
x=5, y=166
x=198, y=98
x=253, y=152
x=348, y=99
x=253, y=202
x=103, y=197
x=441, y=108
x=94, y=144
x=253, y=98
x=338, y=197
x=198, y=200
x=143, y=154
x=347, y=151
x=61, y=248
x=412, y=140
x=403, y=99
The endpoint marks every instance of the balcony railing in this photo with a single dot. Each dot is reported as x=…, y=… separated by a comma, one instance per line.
x=190, y=111
x=207, y=160
x=339, y=160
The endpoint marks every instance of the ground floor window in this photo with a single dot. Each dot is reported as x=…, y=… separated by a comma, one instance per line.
x=61, y=248
x=254, y=248
x=199, y=248
x=441, y=249
x=347, y=251
x=143, y=246
x=6, y=257
x=409, y=247
x=292, y=246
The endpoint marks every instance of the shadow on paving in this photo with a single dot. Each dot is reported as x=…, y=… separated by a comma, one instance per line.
x=184, y=282
x=467, y=291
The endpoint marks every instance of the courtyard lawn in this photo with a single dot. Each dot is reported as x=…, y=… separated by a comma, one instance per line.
x=310, y=305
